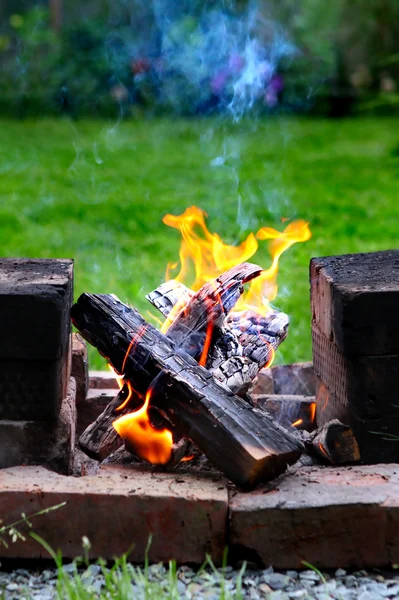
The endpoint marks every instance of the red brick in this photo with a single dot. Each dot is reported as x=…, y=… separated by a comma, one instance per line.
x=355, y=301
x=42, y=442
x=35, y=302
x=115, y=509
x=329, y=517
x=361, y=391
x=102, y=380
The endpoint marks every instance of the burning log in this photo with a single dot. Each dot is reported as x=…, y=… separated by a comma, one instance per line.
x=191, y=328
x=243, y=344
x=336, y=444
x=100, y=439
x=241, y=441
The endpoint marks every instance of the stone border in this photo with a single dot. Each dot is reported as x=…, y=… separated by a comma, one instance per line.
x=331, y=517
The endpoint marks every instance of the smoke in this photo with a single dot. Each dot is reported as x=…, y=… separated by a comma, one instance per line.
x=208, y=59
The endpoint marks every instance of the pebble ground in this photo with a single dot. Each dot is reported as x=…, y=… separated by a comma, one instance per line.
x=267, y=584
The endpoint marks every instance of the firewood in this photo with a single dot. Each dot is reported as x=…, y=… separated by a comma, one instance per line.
x=189, y=329
x=242, y=346
x=241, y=441
x=212, y=303
x=100, y=439
x=168, y=294
x=126, y=456
x=336, y=444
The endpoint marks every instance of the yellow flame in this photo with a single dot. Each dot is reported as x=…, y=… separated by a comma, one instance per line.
x=210, y=256
x=154, y=445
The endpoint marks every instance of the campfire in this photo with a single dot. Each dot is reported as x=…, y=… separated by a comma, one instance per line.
x=186, y=388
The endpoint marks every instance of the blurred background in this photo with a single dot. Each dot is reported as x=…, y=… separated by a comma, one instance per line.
x=102, y=57
x=113, y=113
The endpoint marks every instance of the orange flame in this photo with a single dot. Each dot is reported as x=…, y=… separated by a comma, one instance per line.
x=187, y=458
x=119, y=378
x=323, y=451
x=210, y=256
x=312, y=412
x=154, y=445
x=297, y=423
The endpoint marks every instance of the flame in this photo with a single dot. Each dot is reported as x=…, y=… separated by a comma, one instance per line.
x=312, y=412
x=154, y=445
x=119, y=378
x=180, y=304
x=210, y=256
x=187, y=458
x=297, y=423
x=323, y=451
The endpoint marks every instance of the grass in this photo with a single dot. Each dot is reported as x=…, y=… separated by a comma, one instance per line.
x=97, y=191
x=124, y=580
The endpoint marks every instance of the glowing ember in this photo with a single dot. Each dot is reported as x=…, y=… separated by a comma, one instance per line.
x=187, y=458
x=210, y=256
x=297, y=423
x=154, y=445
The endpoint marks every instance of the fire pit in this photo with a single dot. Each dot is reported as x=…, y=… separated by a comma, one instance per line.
x=201, y=417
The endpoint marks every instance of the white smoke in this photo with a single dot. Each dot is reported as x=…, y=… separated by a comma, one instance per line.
x=214, y=60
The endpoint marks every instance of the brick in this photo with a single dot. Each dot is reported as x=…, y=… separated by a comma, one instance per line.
x=102, y=380
x=297, y=379
x=117, y=510
x=35, y=351
x=33, y=390
x=41, y=442
x=35, y=301
x=80, y=367
x=355, y=301
x=94, y=404
x=329, y=517
x=361, y=392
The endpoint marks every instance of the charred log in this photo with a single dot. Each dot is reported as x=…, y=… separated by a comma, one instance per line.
x=243, y=343
x=241, y=441
x=336, y=444
x=100, y=439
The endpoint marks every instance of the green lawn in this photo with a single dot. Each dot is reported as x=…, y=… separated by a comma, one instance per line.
x=97, y=191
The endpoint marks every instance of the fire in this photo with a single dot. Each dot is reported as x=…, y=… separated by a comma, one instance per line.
x=210, y=256
x=323, y=451
x=297, y=423
x=312, y=412
x=154, y=445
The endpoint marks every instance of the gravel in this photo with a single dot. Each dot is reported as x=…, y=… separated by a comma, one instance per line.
x=205, y=584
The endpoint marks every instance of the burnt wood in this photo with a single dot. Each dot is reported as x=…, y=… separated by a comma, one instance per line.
x=241, y=345
x=212, y=303
x=241, y=441
x=100, y=439
x=336, y=444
